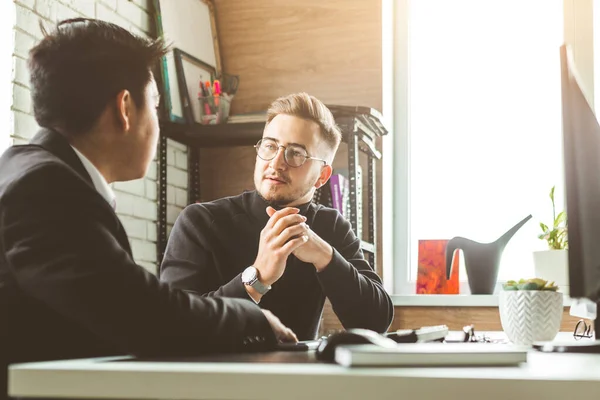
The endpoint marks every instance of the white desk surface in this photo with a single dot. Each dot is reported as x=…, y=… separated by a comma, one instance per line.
x=543, y=376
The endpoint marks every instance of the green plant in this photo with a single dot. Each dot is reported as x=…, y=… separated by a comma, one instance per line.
x=530, y=284
x=556, y=235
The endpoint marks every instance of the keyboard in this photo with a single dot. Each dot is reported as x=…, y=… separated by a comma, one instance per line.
x=424, y=334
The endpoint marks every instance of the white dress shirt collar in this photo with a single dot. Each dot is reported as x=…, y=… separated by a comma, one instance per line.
x=99, y=182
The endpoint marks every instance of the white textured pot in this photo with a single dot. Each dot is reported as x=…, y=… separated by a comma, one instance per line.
x=553, y=266
x=530, y=315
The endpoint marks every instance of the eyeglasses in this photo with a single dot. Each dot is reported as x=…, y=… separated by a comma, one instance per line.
x=295, y=156
x=583, y=330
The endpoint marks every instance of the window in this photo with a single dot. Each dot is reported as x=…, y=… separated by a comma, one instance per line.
x=481, y=127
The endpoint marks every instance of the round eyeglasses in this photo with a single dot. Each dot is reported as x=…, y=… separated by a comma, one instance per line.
x=294, y=155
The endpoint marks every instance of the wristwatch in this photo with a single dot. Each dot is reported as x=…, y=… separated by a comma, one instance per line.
x=250, y=278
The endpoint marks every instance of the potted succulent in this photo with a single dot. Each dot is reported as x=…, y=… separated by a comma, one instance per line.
x=553, y=262
x=530, y=310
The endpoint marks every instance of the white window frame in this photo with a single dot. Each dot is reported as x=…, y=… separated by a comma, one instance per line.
x=579, y=18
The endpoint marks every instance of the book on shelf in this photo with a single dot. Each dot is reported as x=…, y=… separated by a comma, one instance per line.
x=339, y=186
x=336, y=194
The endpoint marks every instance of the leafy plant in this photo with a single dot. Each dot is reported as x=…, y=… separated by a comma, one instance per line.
x=530, y=284
x=556, y=235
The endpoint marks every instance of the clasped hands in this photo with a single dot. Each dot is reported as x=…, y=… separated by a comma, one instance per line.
x=287, y=233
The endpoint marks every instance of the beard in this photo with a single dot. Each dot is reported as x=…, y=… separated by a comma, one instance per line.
x=281, y=198
x=273, y=201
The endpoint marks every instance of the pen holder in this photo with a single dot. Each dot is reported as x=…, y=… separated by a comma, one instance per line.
x=214, y=109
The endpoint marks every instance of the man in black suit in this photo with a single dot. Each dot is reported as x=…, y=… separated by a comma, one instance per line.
x=69, y=286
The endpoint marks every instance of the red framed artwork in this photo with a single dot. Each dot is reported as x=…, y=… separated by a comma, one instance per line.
x=431, y=272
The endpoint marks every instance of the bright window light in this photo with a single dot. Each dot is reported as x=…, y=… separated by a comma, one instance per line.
x=485, y=123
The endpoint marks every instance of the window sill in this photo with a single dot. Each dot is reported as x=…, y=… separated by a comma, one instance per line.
x=452, y=300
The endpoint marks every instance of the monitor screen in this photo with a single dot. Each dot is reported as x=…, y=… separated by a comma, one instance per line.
x=581, y=144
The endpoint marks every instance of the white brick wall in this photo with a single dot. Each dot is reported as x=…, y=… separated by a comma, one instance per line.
x=136, y=200
x=7, y=49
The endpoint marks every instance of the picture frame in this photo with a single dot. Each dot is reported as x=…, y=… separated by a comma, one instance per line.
x=190, y=26
x=191, y=72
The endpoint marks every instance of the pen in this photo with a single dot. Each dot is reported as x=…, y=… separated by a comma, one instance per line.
x=209, y=95
x=204, y=99
x=217, y=91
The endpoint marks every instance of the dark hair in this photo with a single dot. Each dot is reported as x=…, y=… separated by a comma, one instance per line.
x=303, y=105
x=77, y=69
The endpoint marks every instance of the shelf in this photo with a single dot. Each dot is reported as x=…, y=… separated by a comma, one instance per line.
x=364, y=122
x=246, y=134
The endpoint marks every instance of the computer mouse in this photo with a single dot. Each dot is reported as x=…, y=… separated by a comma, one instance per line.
x=326, y=349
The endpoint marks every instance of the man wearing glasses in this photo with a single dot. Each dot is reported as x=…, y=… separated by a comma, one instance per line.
x=273, y=245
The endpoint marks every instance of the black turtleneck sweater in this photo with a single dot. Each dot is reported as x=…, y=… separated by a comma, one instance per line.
x=212, y=243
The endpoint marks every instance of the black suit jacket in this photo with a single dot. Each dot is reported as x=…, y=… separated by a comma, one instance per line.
x=69, y=286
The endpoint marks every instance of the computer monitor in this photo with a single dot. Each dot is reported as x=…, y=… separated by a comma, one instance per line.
x=581, y=151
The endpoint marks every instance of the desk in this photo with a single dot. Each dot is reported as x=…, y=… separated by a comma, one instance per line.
x=295, y=375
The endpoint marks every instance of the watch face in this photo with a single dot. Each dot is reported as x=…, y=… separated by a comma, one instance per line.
x=249, y=275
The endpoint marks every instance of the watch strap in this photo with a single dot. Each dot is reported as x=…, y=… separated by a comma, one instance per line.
x=253, y=280
x=260, y=287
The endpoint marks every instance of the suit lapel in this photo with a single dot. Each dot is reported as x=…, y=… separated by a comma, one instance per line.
x=58, y=145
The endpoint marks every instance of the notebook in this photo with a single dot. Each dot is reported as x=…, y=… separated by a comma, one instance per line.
x=431, y=354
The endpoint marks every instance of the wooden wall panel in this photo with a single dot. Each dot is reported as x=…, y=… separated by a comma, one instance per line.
x=330, y=49
x=483, y=318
